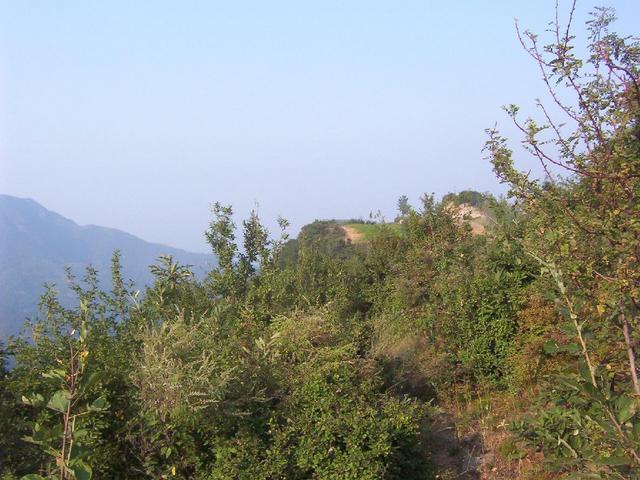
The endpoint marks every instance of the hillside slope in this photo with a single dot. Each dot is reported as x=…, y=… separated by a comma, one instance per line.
x=36, y=245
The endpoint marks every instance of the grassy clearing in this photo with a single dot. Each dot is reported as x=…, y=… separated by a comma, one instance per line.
x=368, y=231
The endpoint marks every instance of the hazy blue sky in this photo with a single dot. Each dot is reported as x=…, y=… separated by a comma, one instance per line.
x=137, y=115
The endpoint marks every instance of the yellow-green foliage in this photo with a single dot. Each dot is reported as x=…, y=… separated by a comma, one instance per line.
x=538, y=323
x=183, y=366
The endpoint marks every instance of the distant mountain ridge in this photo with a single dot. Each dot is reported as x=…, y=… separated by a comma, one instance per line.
x=37, y=244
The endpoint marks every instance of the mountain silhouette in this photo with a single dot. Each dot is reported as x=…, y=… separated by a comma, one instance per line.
x=36, y=245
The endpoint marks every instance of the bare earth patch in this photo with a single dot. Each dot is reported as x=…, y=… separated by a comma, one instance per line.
x=467, y=443
x=472, y=215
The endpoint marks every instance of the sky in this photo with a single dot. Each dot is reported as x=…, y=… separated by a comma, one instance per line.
x=139, y=115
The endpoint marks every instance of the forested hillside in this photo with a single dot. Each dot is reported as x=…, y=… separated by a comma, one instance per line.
x=37, y=245
x=425, y=351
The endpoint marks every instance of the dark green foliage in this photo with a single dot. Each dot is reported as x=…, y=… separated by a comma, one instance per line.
x=470, y=197
x=324, y=237
x=485, y=331
x=403, y=208
x=336, y=424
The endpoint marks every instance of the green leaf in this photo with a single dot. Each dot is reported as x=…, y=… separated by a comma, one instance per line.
x=81, y=470
x=78, y=452
x=568, y=328
x=166, y=451
x=592, y=391
x=34, y=400
x=615, y=461
x=99, y=403
x=32, y=476
x=59, y=401
x=90, y=380
x=626, y=408
x=573, y=348
x=83, y=331
x=550, y=347
x=80, y=433
x=606, y=425
x=584, y=371
x=56, y=374
x=29, y=439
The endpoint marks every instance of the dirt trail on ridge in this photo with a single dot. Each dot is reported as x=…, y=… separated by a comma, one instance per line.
x=352, y=234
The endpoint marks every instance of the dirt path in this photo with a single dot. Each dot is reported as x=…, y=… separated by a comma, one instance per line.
x=454, y=457
x=353, y=235
x=474, y=452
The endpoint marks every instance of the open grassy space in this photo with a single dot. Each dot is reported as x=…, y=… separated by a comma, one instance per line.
x=368, y=231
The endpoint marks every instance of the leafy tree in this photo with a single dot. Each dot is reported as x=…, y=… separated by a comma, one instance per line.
x=470, y=197
x=65, y=440
x=584, y=230
x=403, y=206
x=237, y=268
